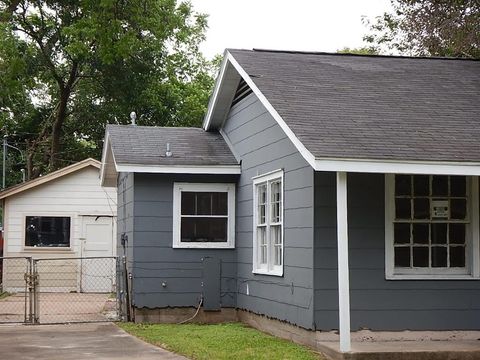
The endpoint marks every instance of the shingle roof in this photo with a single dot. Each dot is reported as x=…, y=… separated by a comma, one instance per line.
x=146, y=145
x=366, y=107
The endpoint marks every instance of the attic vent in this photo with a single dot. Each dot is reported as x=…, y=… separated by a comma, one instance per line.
x=243, y=90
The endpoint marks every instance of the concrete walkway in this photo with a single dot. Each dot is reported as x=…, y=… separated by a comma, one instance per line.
x=101, y=341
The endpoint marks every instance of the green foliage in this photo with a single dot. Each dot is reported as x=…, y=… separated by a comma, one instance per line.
x=428, y=28
x=359, y=51
x=222, y=341
x=67, y=68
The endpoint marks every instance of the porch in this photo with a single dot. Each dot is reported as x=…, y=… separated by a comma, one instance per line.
x=415, y=291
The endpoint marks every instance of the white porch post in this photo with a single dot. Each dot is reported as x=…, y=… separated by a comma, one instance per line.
x=343, y=278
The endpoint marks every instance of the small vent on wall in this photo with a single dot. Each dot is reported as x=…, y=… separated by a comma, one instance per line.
x=243, y=90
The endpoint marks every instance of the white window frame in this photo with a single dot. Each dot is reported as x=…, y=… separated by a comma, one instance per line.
x=177, y=216
x=269, y=268
x=472, y=255
x=72, y=216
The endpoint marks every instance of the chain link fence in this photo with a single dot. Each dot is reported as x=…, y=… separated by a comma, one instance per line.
x=59, y=290
x=14, y=290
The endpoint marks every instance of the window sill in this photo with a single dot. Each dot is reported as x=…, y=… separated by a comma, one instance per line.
x=431, y=277
x=203, y=246
x=47, y=249
x=266, y=272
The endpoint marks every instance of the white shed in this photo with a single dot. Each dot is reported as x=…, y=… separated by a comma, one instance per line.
x=65, y=214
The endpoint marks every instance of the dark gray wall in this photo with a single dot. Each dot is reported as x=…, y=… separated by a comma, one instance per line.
x=262, y=146
x=125, y=188
x=125, y=191
x=155, y=259
x=376, y=303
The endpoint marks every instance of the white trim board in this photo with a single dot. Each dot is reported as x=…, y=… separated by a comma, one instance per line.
x=180, y=169
x=328, y=164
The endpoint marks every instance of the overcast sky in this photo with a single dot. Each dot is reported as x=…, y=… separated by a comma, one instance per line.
x=316, y=25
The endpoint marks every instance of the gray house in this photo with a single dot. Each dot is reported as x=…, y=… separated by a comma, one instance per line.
x=327, y=191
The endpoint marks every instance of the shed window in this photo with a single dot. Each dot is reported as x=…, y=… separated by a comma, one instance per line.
x=47, y=231
x=431, y=230
x=204, y=215
x=268, y=224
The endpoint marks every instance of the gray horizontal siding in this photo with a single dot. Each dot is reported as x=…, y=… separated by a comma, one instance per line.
x=376, y=303
x=263, y=147
x=156, y=262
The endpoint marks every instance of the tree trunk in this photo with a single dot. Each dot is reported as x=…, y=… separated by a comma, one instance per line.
x=57, y=129
x=61, y=114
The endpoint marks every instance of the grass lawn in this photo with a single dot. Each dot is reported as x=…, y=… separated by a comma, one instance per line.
x=220, y=341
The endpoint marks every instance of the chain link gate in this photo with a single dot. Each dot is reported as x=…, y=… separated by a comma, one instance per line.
x=58, y=290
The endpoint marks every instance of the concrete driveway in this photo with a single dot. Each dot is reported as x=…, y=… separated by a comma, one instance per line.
x=102, y=341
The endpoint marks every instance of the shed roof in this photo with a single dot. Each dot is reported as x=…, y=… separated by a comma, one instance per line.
x=147, y=145
x=373, y=107
x=49, y=177
x=140, y=149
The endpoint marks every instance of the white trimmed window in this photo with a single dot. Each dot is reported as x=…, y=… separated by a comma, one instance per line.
x=431, y=227
x=268, y=223
x=203, y=215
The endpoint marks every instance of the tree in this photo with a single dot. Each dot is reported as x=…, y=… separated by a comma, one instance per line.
x=366, y=50
x=68, y=67
x=428, y=28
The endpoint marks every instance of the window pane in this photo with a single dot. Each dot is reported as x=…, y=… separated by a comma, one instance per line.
x=420, y=233
x=421, y=186
x=188, y=203
x=276, y=239
x=439, y=256
x=456, y=233
x=439, y=185
x=420, y=256
x=275, y=199
x=402, y=209
x=439, y=233
x=457, y=256
x=402, y=256
x=262, y=198
x=262, y=243
x=219, y=203
x=458, y=209
x=421, y=208
x=458, y=186
x=401, y=233
x=47, y=231
x=204, y=203
x=204, y=229
x=402, y=185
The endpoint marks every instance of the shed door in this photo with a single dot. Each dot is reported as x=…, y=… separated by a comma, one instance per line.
x=97, y=241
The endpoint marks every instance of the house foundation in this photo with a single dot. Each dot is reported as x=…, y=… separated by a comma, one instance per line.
x=366, y=344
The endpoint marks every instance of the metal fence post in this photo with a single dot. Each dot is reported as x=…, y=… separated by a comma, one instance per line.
x=36, y=288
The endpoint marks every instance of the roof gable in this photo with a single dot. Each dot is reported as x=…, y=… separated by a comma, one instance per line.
x=363, y=108
x=49, y=177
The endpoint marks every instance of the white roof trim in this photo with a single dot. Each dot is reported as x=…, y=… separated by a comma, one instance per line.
x=49, y=177
x=216, y=90
x=337, y=164
x=398, y=167
x=179, y=169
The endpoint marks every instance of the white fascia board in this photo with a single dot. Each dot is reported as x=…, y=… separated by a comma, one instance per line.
x=216, y=90
x=180, y=169
x=398, y=167
x=107, y=148
x=104, y=157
